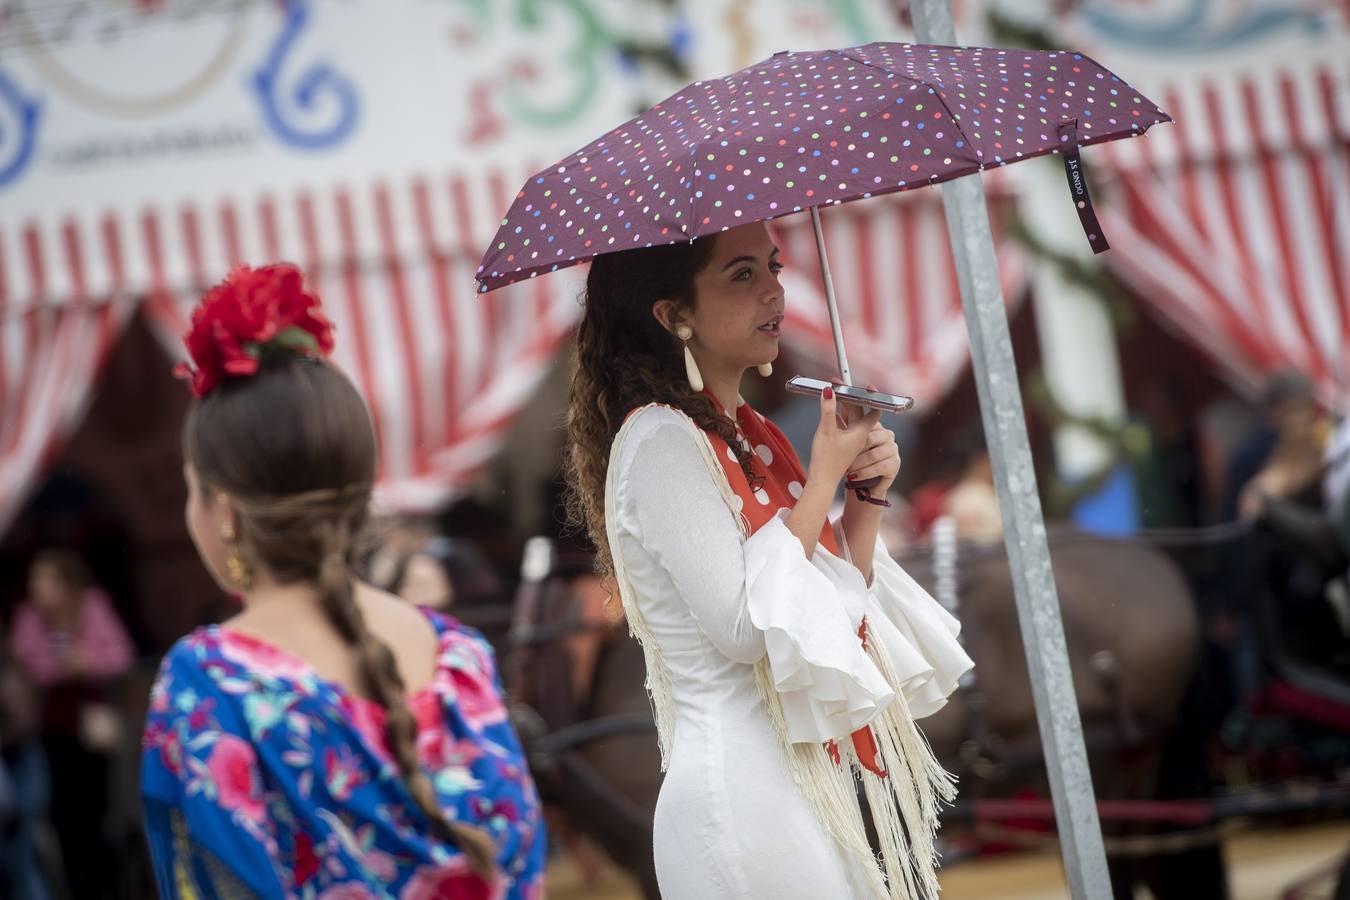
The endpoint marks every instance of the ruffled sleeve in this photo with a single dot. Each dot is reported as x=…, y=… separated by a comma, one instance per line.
x=918, y=634
x=808, y=612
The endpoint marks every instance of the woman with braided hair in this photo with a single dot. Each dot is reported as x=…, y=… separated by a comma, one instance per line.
x=787, y=655
x=329, y=741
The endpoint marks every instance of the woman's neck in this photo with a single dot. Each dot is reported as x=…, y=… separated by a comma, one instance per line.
x=269, y=594
x=725, y=386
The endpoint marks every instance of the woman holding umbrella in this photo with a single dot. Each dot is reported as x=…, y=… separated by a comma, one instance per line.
x=784, y=651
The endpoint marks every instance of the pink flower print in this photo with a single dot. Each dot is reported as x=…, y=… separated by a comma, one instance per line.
x=262, y=712
x=232, y=768
x=171, y=755
x=381, y=865
x=437, y=750
x=341, y=773
x=477, y=698
x=157, y=737
x=200, y=717
x=487, y=809
x=431, y=748
x=368, y=719
x=456, y=880
x=348, y=890
x=254, y=655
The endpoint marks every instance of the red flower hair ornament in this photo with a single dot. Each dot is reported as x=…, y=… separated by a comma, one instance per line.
x=251, y=314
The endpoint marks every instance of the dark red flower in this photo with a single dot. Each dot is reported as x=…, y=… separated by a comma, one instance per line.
x=251, y=312
x=306, y=860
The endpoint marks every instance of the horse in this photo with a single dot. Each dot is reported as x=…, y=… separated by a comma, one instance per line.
x=1132, y=636
x=1131, y=632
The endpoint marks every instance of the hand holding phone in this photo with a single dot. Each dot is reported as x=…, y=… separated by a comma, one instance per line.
x=863, y=400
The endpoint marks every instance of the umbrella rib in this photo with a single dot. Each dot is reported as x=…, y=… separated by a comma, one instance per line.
x=696, y=147
x=951, y=116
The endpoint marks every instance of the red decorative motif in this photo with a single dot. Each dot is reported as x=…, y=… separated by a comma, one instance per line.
x=249, y=311
x=455, y=880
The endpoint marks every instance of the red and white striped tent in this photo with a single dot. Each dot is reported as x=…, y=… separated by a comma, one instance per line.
x=1234, y=222
x=445, y=372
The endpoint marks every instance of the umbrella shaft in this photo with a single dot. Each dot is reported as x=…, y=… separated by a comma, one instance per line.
x=829, y=297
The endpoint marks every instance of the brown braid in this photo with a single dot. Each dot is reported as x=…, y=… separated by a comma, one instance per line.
x=626, y=359
x=294, y=448
x=380, y=672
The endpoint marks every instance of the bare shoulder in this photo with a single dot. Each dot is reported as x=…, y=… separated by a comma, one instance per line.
x=385, y=612
x=404, y=629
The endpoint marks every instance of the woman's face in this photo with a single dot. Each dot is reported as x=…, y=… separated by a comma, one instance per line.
x=738, y=307
x=48, y=591
x=207, y=513
x=425, y=583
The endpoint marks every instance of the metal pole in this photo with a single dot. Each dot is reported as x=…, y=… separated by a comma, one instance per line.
x=829, y=297
x=1019, y=503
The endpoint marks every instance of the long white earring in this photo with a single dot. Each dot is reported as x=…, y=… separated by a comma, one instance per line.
x=684, y=333
x=765, y=370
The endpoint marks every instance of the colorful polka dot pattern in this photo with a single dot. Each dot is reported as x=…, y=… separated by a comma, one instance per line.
x=800, y=130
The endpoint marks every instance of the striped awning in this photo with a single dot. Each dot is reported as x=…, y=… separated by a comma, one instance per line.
x=444, y=372
x=1235, y=223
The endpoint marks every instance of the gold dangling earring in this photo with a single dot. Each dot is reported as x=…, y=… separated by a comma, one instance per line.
x=234, y=562
x=684, y=333
x=765, y=370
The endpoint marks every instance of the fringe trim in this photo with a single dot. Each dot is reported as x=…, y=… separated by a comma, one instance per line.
x=828, y=788
x=658, y=675
x=904, y=806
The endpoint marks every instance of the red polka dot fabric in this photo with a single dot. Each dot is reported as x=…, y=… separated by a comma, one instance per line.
x=805, y=129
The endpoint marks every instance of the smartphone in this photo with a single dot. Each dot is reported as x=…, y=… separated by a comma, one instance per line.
x=856, y=396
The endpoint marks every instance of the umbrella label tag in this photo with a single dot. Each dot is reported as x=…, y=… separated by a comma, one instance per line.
x=1078, y=189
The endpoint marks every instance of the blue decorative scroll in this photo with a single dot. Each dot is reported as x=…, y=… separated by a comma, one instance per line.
x=296, y=115
x=19, y=117
x=1199, y=25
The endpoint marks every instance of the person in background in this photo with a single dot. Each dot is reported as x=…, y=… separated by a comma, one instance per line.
x=29, y=856
x=962, y=488
x=973, y=502
x=1288, y=412
x=329, y=740
x=72, y=645
x=443, y=573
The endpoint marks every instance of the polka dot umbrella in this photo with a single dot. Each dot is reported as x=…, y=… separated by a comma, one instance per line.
x=799, y=131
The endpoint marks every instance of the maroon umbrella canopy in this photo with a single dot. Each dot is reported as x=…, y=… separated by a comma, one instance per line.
x=799, y=130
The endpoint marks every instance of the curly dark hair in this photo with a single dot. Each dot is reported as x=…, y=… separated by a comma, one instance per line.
x=626, y=359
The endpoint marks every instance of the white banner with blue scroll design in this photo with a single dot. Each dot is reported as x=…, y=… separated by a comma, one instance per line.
x=113, y=108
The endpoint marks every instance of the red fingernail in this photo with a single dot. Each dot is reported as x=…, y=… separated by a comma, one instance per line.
x=828, y=393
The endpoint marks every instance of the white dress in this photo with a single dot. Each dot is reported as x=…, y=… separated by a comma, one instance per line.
x=730, y=822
